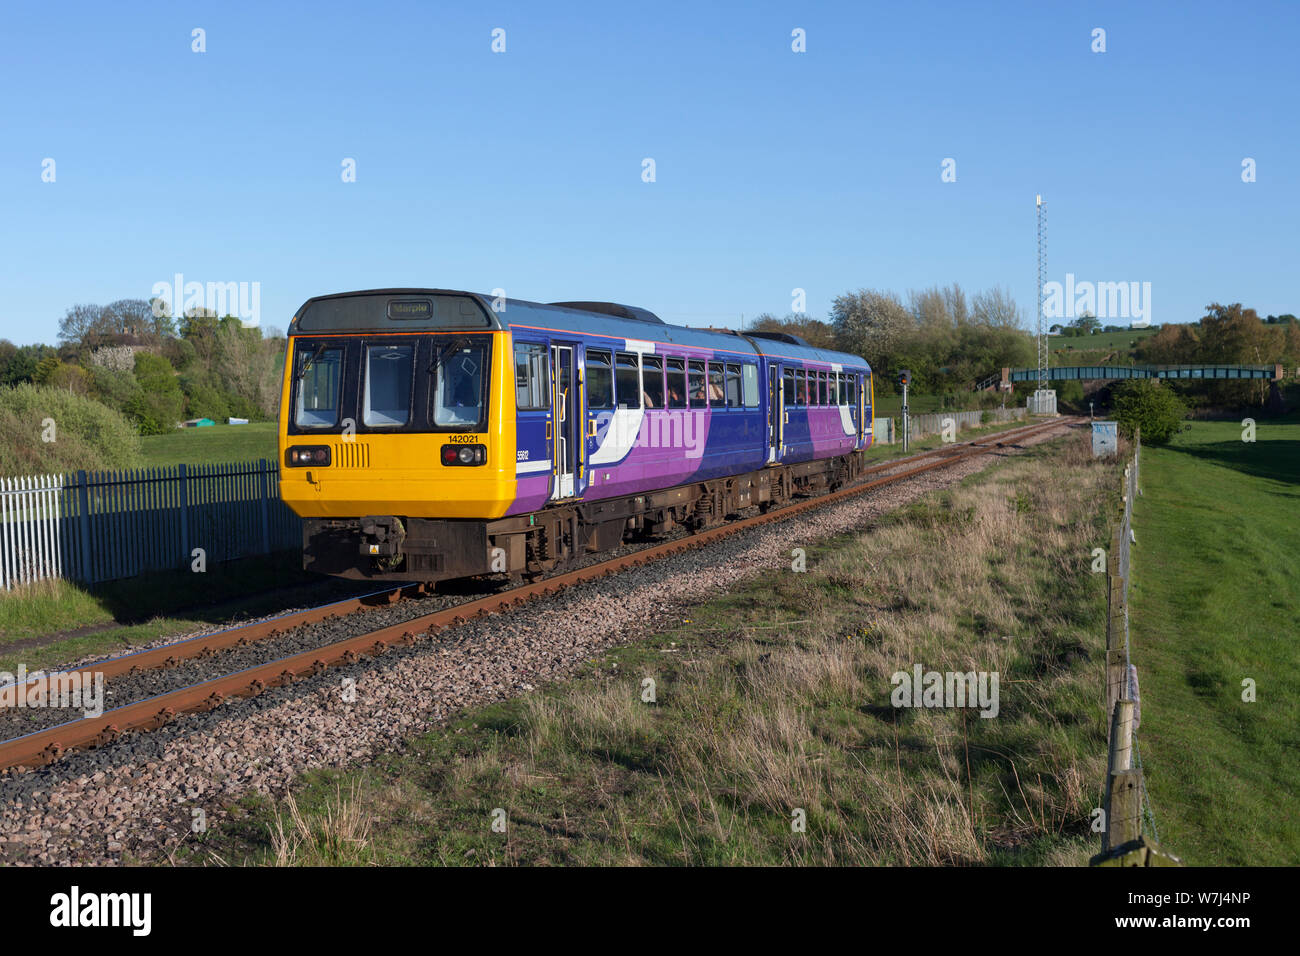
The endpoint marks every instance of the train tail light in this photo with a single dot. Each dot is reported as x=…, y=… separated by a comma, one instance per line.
x=300, y=456
x=455, y=455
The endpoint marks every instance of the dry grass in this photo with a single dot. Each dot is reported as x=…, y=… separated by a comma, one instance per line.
x=336, y=834
x=788, y=718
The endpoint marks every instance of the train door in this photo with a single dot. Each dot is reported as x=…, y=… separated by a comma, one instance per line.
x=849, y=390
x=565, y=415
x=864, y=405
x=775, y=412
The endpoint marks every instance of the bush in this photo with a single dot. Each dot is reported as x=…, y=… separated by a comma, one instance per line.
x=1154, y=407
x=204, y=401
x=160, y=404
x=86, y=433
x=115, y=388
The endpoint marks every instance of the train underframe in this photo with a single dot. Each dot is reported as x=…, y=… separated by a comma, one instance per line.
x=523, y=547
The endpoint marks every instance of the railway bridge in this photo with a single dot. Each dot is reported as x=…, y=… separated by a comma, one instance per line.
x=1074, y=373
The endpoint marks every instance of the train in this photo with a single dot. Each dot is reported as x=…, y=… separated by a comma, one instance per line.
x=432, y=434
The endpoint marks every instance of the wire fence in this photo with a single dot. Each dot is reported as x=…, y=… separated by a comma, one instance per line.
x=1128, y=814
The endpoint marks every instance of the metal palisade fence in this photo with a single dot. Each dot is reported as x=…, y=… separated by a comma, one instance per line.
x=890, y=430
x=91, y=527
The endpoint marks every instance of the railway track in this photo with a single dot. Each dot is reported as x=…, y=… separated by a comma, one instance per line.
x=47, y=745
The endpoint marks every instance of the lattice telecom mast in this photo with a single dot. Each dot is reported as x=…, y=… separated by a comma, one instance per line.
x=1042, y=302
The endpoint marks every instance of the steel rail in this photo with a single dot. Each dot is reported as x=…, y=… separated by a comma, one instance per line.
x=174, y=653
x=45, y=746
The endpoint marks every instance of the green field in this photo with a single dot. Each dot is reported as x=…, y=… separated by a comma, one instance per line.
x=206, y=446
x=1091, y=349
x=1215, y=601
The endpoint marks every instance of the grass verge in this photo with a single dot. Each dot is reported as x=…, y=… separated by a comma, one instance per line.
x=1214, y=601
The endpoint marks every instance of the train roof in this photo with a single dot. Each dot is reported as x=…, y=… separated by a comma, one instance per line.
x=416, y=310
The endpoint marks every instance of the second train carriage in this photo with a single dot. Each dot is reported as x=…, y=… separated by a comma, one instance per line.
x=429, y=434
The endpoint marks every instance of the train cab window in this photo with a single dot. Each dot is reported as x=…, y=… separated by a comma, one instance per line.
x=733, y=386
x=530, y=377
x=387, y=397
x=676, y=383
x=652, y=381
x=695, y=380
x=319, y=374
x=627, y=380
x=789, y=384
x=600, y=380
x=458, y=395
x=750, y=381
x=717, y=386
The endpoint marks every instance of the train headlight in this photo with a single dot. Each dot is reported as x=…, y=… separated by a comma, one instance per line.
x=464, y=454
x=299, y=456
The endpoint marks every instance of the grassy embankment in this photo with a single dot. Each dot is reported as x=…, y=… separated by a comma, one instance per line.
x=216, y=445
x=776, y=698
x=1214, y=601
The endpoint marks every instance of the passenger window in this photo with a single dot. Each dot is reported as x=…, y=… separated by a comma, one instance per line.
x=530, y=377
x=833, y=385
x=458, y=397
x=627, y=380
x=805, y=379
x=823, y=393
x=750, y=385
x=319, y=374
x=790, y=398
x=388, y=385
x=676, y=383
x=717, y=386
x=733, y=386
x=652, y=381
x=600, y=380
x=696, y=379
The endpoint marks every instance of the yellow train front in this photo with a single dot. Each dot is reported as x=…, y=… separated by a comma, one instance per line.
x=394, y=406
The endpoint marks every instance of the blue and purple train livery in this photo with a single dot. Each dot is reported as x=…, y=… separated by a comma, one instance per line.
x=428, y=434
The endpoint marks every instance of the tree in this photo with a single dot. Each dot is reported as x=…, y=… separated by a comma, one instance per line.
x=1172, y=345
x=995, y=307
x=818, y=334
x=159, y=404
x=1146, y=403
x=872, y=324
x=1087, y=324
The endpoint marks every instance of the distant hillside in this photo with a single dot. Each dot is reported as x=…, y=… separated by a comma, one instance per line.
x=1094, y=349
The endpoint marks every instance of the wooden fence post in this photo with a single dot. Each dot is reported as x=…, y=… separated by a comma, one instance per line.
x=1124, y=784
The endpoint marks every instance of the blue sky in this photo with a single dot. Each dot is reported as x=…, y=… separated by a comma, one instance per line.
x=775, y=170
